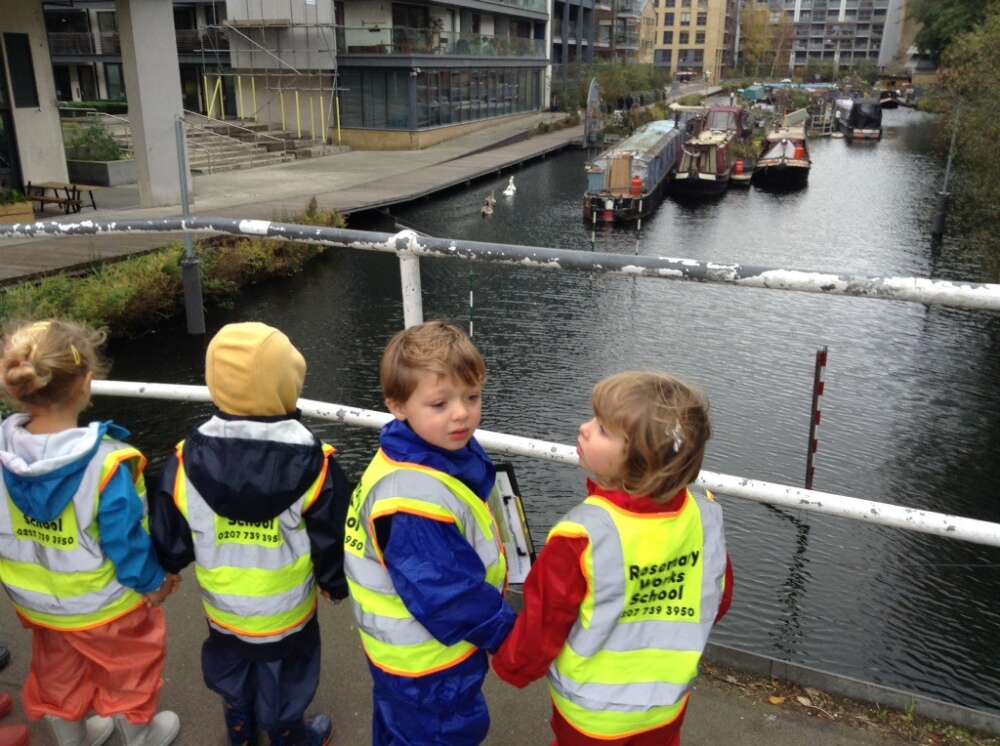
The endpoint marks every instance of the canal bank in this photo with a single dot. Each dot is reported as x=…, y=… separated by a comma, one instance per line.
x=350, y=182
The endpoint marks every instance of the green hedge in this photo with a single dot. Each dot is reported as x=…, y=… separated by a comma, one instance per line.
x=119, y=106
x=130, y=296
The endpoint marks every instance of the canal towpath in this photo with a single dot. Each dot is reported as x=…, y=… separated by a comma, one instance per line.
x=719, y=714
x=350, y=181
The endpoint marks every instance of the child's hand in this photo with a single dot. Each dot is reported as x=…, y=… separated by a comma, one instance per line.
x=328, y=597
x=169, y=585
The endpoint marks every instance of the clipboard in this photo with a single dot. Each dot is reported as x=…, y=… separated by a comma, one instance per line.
x=508, y=511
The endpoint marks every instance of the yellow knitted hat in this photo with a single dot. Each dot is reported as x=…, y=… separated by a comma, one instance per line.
x=253, y=370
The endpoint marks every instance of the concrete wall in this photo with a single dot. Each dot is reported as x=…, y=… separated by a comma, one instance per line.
x=39, y=137
x=359, y=13
x=366, y=139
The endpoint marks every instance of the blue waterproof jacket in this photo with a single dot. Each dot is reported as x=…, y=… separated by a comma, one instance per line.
x=442, y=581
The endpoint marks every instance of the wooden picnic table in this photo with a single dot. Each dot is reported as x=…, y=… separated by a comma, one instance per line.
x=67, y=196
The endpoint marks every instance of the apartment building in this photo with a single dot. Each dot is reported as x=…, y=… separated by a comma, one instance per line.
x=379, y=74
x=842, y=33
x=618, y=23
x=696, y=36
x=85, y=47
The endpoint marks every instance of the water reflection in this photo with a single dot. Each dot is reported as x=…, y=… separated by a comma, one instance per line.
x=911, y=412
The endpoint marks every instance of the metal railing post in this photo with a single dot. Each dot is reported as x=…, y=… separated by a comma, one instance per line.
x=194, y=308
x=409, y=276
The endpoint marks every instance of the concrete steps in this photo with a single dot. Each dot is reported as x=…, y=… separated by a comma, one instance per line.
x=217, y=145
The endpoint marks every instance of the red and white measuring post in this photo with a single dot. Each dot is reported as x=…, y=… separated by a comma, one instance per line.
x=816, y=415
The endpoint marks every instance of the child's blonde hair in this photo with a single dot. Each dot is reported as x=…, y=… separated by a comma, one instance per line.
x=434, y=347
x=44, y=361
x=665, y=425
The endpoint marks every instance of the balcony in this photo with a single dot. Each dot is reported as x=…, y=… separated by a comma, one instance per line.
x=538, y=6
x=411, y=42
x=87, y=43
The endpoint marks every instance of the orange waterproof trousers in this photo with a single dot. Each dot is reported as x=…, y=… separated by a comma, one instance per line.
x=114, y=669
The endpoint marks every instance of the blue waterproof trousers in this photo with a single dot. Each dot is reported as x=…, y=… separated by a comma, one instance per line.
x=270, y=695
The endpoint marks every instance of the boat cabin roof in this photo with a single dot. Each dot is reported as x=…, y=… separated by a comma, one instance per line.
x=711, y=137
x=786, y=133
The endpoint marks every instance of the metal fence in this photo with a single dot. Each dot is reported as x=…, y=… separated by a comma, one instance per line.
x=410, y=248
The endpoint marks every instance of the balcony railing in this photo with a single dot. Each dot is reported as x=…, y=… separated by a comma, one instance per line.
x=109, y=42
x=416, y=41
x=71, y=42
x=539, y=6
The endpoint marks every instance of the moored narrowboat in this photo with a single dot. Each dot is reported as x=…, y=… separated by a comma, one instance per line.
x=859, y=119
x=784, y=161
x=626, y=182
x=706, y=163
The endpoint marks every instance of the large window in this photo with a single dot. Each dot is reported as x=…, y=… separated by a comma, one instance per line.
x=22, y=70
x=380, y=99
x=668, y=19
x=668, y=37
x=114, y=80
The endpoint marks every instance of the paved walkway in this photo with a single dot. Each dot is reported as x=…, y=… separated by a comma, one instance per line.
x=348, y=182
x=719, y=715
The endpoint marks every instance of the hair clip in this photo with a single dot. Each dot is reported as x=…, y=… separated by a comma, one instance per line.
x=76, y=354
x=677, y=433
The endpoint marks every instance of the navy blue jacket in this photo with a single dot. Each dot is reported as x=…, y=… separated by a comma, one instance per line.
x=256, y=480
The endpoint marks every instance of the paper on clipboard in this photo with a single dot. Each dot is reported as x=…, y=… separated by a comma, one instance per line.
x=508, y=512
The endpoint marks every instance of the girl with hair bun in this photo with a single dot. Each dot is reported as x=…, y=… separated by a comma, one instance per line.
x=620, y=603
x=77, y=561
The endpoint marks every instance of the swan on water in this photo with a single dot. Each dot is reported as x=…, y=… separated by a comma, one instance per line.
x=509, y=191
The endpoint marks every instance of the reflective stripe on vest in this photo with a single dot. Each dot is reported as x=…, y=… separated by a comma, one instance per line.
x=56, y=573
x=630, y=659
x=393, y=640
x=256, y=578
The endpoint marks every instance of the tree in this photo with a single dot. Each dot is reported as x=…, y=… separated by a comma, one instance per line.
x=943, y=21
x=782, y=36
x=755, y=21
x=971, y=80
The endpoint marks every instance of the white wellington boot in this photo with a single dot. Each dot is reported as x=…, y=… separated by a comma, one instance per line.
x=93, y=731
x=160, y=732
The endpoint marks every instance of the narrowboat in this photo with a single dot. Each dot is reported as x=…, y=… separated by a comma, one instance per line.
x=859, y=119
x=705, y=165
x=626, y=182
x=784, y=160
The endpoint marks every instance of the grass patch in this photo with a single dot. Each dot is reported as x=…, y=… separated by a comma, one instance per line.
x=130, y=296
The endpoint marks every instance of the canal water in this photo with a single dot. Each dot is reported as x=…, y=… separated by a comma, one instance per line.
x=911, y=414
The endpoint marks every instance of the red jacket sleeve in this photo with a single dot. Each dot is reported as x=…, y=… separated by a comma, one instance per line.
x=553, y=593
x=727, y=592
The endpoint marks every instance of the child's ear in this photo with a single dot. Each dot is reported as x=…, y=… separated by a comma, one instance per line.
x=396, y=409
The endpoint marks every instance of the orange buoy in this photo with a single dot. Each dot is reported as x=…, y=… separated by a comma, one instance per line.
x=738, y=167
x=800, y=152
x=636, y=188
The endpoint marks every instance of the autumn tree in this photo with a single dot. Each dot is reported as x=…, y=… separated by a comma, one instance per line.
x=755, y=36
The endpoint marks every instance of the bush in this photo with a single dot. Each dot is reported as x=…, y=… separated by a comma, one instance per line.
x=10, y=196
x=93, y=144
x=692, y=99
x=118, y=106
x=130, y=296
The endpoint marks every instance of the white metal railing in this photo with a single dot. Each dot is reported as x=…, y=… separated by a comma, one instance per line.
x=772, y=493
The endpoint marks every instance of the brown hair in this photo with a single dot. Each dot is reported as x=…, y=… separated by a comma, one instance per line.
x=44, y=361
x=433, y=347
x=665, y=425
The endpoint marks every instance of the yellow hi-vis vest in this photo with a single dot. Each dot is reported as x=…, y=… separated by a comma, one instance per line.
x=56, y=573
x=654, y=585
x=256, y=578
x=393, y=640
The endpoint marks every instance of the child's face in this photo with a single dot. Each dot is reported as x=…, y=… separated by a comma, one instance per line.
x=601, y=451
x=443, y=411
